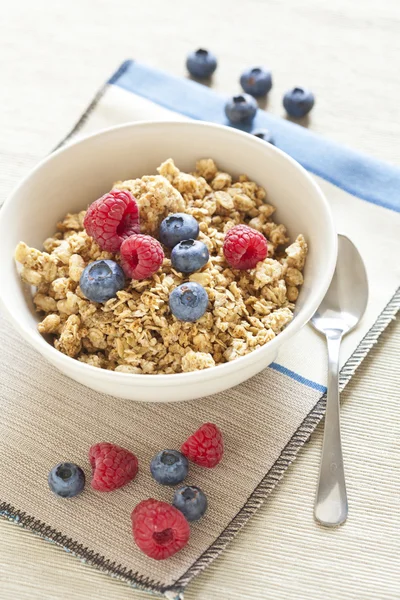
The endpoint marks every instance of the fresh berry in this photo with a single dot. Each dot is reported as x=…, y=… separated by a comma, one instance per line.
x=205, y=447
x=298, y=102
x=112, y=218
x=141, y=256
x=256, y=81
x=189, y=256
x=169, y=467
x=188, y=301
x=191, y=501
x=101, y=280
x=178, y=227
x=244, y=247
x=112, y=466
x=201, y=63
x=66, y=480
x=264, y=134
x=159, y=529
x=241, y=109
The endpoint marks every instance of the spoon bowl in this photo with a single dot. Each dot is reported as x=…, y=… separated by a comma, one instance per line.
x=346, y=299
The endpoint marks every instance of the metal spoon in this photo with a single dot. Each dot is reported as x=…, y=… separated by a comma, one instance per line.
x=339, y=312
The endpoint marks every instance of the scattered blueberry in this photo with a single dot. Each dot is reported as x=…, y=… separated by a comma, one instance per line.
x=189, y=256
x=101, y=280
x=201, y=63
x=256, y=81
x=264, y=134
x=169, y=467
x=66, y=480
x=298, y=102
x=178, y=227
x=241, y=109
x=188, y=301
x=191, y=501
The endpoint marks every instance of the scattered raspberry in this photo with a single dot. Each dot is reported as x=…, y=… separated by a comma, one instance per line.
x=159, y=529
x=112, y=218
x=112, y=466
x=141, y=256
x=205, y=447
x=244, y=247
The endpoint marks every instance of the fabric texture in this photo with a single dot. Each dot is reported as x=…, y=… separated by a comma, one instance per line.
x=265, y=420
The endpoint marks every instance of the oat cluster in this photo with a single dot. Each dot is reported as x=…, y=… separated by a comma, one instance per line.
x=136, y=332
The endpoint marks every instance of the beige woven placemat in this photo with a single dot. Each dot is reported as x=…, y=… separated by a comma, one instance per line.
x=46, y=418
x=50, y=418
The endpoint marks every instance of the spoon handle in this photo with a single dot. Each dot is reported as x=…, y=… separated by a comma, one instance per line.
x=331, y=506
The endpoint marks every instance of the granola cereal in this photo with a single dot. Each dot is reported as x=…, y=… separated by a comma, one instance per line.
x=135, y=332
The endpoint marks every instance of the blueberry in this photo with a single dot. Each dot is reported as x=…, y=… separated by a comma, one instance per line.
x=256, y=81
x=201, y=63
x=189, y=256
x=264, y=134
x=101, y=280
x=241, y=109
x=298, y=102
x=178, y=227
x=191, y=501
x=188, y=301
x=169, y=467
x=66, y=480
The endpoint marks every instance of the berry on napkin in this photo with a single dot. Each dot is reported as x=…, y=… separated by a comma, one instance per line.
x=191, y=501
x=241, y=109
x=205, y=447
x=159, y=529
x=113, y=466
x=66, y=480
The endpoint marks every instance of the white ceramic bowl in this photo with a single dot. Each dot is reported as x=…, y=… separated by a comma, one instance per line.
x=71, y=178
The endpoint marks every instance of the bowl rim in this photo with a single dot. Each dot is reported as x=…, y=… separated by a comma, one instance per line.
x=37, y=341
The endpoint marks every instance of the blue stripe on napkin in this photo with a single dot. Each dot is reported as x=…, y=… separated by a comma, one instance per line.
x=299, y=378
x=354, y=172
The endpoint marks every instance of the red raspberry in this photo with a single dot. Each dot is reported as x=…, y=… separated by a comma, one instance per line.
x=112, y=218
x=141, y=256
x=159, y=529
x=205, y=447
x=244, y=247
x=112, y=466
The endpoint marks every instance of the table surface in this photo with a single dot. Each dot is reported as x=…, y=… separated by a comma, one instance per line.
x=54, y=55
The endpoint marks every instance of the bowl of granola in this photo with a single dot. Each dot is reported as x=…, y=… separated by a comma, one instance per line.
x=91, y=278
